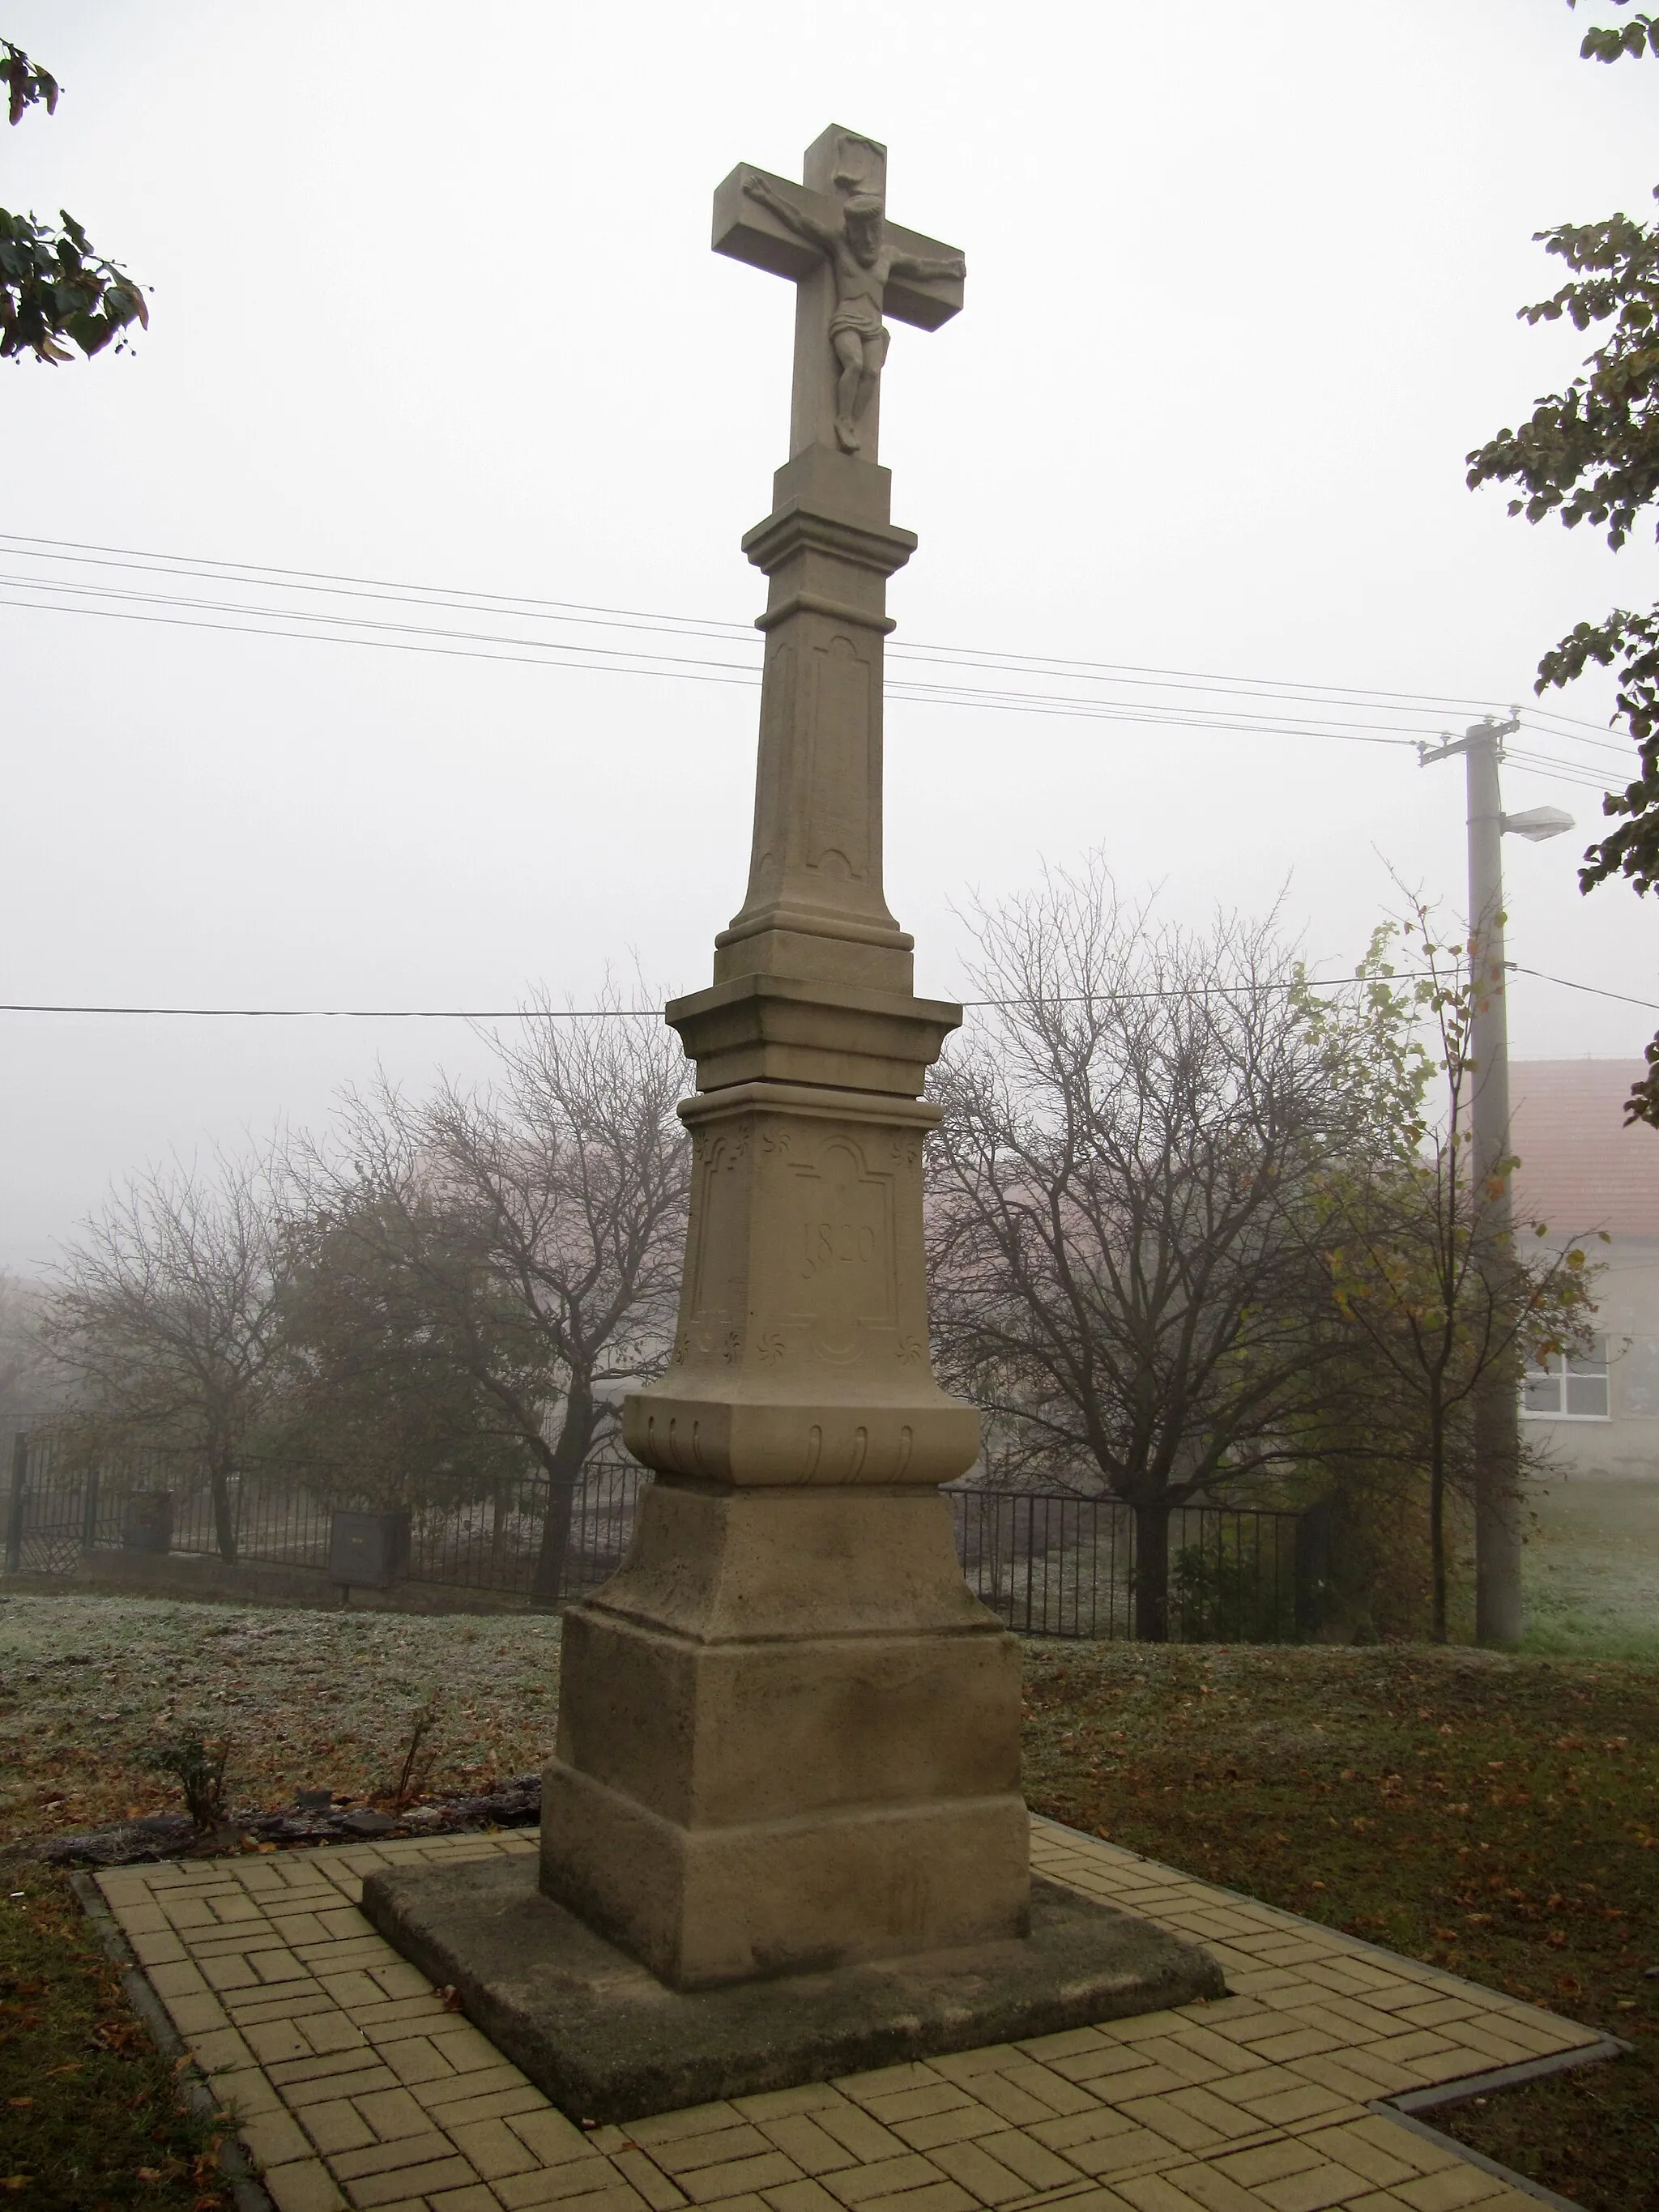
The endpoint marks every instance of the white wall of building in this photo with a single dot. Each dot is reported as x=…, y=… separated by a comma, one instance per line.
x=1623, y=1445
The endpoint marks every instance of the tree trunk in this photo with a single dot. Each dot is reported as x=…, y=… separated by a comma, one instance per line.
x=1152, y=1572
x=547, y=1584
x=1437, y=1521
x=564, y=1467
x=224, y=1519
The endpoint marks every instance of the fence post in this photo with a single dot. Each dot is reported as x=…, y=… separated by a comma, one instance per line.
x=19, y=1475
x=1314, y=1534
x=89, y=1510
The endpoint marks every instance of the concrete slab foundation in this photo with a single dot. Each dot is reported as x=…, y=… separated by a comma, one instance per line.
x=607, y=2042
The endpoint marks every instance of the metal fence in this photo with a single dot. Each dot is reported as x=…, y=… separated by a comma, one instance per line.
x=1054, y=1564
x=515, y=1537
x=1048, y=1564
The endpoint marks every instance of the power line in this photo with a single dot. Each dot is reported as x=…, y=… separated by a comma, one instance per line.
x=1544, y=716
x=389, y=645
x=688, y=668
x=1191, y=711
x=349, y=622
x=359, y=1013
x=1594, y=990
x=655, y=1013
x=613, y=660
x=1545, y=764
x=127, y=559
x=306, y=578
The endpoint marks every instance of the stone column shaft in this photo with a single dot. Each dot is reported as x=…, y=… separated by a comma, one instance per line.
x=815, y=907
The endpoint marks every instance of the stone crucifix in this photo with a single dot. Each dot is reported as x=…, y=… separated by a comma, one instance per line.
x=819, y=1760
x=782, y=1834
x=830, y=235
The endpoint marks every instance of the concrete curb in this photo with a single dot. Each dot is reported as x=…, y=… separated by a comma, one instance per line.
x=1506, y=2175
x=1470, y=2085
x=1409, y=2103
x=194, y=2087
x=1404, y=2108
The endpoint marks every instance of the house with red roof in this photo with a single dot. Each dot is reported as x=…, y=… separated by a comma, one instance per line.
x=1584, y=1170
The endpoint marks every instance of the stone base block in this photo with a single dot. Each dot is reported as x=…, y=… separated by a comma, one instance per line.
x=608, y=2042
x=702, y=1906
x=788, y=1740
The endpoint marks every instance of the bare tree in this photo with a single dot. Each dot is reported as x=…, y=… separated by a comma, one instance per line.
x=531, y=1231
x=28, y=1390
x=1114, y=1278
x=162, y=1316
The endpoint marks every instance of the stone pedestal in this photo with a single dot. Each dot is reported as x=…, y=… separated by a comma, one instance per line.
x=788, y=1737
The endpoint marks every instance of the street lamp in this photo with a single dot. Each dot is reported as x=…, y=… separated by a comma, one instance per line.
x=1497, y=1618
x=1537, y=823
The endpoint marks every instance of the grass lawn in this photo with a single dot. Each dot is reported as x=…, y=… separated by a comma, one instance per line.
x=1498, y=1816
x=319, y=1700
x=88, y=2115
x=1590, y=1568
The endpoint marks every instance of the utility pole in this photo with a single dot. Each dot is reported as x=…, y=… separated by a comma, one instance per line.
x=1498, y=1615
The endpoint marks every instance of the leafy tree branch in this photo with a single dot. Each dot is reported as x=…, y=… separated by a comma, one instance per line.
x=27, y=83
x=55, y=290
x=1591, y=454
x=1614, y=41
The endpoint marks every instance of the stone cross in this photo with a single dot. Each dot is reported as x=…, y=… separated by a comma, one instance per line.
x=830, y=235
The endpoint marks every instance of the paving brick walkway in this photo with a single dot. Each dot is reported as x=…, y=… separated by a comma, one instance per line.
x=356, y=2086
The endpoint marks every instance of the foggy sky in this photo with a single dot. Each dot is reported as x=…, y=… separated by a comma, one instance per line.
x=433, y=301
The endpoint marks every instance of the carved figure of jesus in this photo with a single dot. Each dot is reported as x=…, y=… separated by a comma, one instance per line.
x=858, y=251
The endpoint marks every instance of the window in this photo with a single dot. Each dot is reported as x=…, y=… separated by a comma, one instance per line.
x=1571, y=1388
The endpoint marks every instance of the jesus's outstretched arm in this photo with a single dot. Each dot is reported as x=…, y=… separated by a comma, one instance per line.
x=805, y=225
x=914, y=264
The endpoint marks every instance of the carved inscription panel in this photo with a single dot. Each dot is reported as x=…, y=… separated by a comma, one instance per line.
x=839, y=1248
x=839, y=792
x=720, y=1229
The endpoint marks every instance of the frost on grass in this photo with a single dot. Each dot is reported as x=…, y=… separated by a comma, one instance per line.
x=310, y=1700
